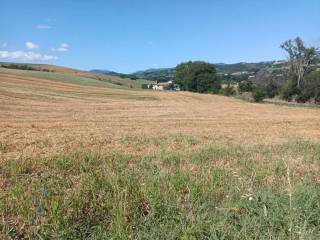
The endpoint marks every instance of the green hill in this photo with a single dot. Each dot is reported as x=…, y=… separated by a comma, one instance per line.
x=71, y=75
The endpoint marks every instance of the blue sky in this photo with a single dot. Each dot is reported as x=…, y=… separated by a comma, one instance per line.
x=128, y=35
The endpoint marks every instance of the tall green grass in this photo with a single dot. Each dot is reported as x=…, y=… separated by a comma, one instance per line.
x=212, y=192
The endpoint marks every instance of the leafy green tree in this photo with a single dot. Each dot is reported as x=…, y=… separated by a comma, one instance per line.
x=197, y=76
x=300, y=57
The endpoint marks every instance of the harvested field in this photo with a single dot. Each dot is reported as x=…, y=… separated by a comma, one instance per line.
x=88, y=162
x=42, y=113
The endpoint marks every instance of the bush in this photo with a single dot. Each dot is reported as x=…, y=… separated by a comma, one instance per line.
x=259, y=93
x=312, y=86
x=144, y=86
x=227, y=91
x=309, y=88
x=245, y=86
x=289, y=90
x=272, y=89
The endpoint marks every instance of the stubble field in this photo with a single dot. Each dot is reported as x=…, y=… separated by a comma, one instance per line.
x=89, y=162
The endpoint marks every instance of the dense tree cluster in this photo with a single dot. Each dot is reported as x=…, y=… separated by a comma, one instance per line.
x=309, y=88
x=303, y=83
x=18, y=66
x=197, y=76
x=245, y=86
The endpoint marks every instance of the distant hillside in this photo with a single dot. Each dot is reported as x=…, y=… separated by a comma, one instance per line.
x=241, y=67
x=167, y=74
x=39, y=67
x=161, y=74
x=259, y=73
x=106, y=72
x=227, y=72
x=116, y=74
x=46, y=68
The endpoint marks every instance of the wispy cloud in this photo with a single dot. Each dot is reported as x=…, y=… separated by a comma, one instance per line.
x=31, y=45
x=63, y=47
x=51, y=20
x=26, y=56
x=4, y=45
x=43, y=26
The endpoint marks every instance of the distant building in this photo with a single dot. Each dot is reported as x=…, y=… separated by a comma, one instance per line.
x=279, y=62
x=165, y=86
x=239, y=73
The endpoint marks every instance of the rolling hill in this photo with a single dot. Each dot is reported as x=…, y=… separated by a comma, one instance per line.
x=160, y=74
x=57, y=72
x=237, y=69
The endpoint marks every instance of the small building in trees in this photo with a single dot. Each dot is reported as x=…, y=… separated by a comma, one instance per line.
x=163, y=86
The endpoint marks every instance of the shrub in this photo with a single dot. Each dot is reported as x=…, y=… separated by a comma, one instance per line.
x=245, y=86
x=309, y=88
x=272, y=89
x=227, y=91
x=289, y=90
x=144, y=86
x=312, y=86
x=259, y=93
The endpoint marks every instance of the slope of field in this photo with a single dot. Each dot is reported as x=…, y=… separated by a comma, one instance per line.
x=58, y=72
x=89, y=162
x=59, y=77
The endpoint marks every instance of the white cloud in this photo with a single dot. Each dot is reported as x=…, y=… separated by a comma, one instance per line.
x=26, y=56
x=4, y=45
x=43, y=26
x=31, y=45
x=62, y=48
x=65, y=45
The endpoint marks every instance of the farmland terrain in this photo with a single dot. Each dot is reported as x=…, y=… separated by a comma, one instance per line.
x=65, y=74
x=82, y=158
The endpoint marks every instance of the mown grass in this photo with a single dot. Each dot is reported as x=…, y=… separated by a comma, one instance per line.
x=75, y=94
x=212, y=192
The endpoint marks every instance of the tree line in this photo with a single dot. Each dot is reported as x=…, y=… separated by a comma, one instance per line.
x=302, y=84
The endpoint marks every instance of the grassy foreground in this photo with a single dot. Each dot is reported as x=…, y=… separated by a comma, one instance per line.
x=219, y=191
